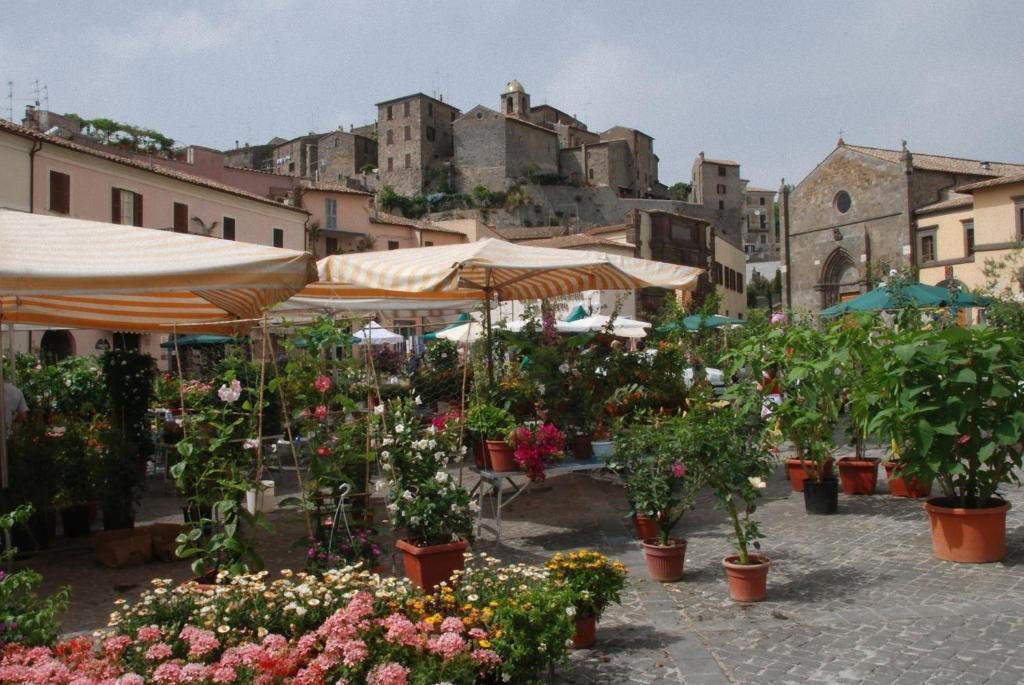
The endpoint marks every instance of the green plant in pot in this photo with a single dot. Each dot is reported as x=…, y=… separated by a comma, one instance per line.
x=950, y=401
x=493, y=425
x=660, y=485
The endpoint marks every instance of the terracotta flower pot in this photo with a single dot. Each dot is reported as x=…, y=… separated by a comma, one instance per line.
x=901, y=487
x=798, y=469
x=973, y=536
x=646, y=528
x=582, y=448
x=747, y=582
x=586, y=632
x=665, y=563
x=502, y=456
x=859, y=476
x=427, y=566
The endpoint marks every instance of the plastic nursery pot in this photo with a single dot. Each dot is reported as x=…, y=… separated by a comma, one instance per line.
x=797, y=470
x=602, y=449
x=586, y=632
x=428, y=566
x=747, y=582
x=902, y=487
x=502, y=456
x=821, y=497
x=646, y=528
x=665, y=563
x=859, y=476
x=582, y=448
x=974, y=536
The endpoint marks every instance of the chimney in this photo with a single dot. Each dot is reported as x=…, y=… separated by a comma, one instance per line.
x=237, y=145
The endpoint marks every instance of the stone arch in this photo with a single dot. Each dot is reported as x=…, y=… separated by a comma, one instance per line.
x=840, y=278
x=56, y=345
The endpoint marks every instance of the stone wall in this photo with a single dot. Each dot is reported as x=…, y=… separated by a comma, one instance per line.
x=480, y=150
x=529, y=149
x=414, y=142
x=341, y=155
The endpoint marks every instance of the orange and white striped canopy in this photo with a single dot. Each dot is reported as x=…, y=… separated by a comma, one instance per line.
x=72, y=273
x=507, y=270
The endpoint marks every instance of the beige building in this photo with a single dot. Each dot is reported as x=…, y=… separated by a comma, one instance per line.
x=414, y=142
x=729, y=270
x=760, y=230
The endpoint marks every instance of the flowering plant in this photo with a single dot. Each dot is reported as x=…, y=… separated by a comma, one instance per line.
x=423, y=498
x=593, y=577
x=343, y=547
x=535, y=446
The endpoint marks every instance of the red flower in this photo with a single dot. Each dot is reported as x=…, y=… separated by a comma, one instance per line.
x=963, y=439
x=324, y=451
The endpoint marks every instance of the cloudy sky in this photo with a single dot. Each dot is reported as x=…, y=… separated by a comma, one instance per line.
x=770, y=84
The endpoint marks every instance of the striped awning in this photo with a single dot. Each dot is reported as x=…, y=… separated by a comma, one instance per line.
x=72, y=273
x=509, y=271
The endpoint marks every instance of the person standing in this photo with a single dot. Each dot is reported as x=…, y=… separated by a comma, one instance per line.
x=15, y=409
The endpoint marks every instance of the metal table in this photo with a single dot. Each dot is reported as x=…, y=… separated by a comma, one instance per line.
x=493, y=483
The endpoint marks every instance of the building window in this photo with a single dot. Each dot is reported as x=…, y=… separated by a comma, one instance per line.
x=405, y=109
x=408, y=132
x=720, y=188
x=428, y=243
x=60, y=193
x=969, y=237
x=180, y=217
x=125, y=207
x=430, y=132
x=764, y=221
x=739, y=282
x=764, y=240
x=229, y=228
x=391, y=163
x=842, y=202
x=926, y=247
x=721, y=204
x=331, y=246
x=331, y=213
x=278, y=237
x=390, y=136
x=430, y=109
x=291, y=167
x=392, y=244
x=590, y=172
x=391, y=114
x=1020, y=219
x=762, y=202
x=408, y=161
x=721, y=171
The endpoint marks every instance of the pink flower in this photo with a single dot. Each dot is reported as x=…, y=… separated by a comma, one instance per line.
x=963, y=439
x=158, y=652
x=388, y=674
x=452, y=624
x=777, y=317
x=169, y=672
x=113, y=646
x=678, y=470
x=323, y=451
x=131, y=679
x=486, y=657
x=199, y=641
x=322, y=384
x=320, y=412
x=223, y=674
x=149, y=633
x=447, y=645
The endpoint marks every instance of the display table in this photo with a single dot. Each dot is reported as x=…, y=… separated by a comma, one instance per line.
x=493, y=483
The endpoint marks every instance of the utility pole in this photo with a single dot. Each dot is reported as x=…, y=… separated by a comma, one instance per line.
x=10, y=100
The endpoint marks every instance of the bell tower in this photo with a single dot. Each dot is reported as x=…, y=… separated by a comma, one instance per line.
x=515, y=101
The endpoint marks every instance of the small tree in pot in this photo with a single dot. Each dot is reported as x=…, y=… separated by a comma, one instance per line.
x=492, y=425
x=952, y=403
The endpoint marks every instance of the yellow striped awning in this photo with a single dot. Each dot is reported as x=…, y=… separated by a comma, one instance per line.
x=73, y=273
x=509, y=271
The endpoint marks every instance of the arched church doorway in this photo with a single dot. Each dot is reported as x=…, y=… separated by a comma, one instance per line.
x=840, y=278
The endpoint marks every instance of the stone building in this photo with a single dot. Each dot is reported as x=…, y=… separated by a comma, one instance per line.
x=297, y=157
x=860, y=206
x=414, y=142
x=497, y=150
x=760, y=230
x=255, y=157
x=344, y=156
x=717, y=187
x=644, y=166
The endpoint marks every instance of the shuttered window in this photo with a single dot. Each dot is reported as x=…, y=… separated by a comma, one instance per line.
x=125, y=207
x=180, y=218
x=229, y=228
x=60, y=193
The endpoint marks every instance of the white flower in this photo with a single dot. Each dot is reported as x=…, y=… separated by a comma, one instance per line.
x=441, y=476
x=540, y=388
x=418, y=400
x=385, y=455
x=474, y=506
x=757, y=482
x=400, y=428
x=250, y=444
x=506, y=677
x=563, y=367
x=230, y=394
x=414, y=520
x=407, y=496
x=379, y=409
x=392, y=508
x=570, y=611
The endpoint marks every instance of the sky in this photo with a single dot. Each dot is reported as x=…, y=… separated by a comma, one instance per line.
x=768, y=84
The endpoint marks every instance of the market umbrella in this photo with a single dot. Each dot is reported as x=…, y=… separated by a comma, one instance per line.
x=576, y=314
x=198, y=340
x=897, y=296
x=375, y=334
x=72, y=273
x=464, y=333
x=622, y=327
x=463, y=318
x=503, y=270
x=697, y=321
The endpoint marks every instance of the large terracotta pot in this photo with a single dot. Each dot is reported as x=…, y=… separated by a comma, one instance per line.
x=859, y=476
x=502, y=456
x=427, y=566
x=747, y=582
x=973, y=536
x=582, y=448
x=586, y=632
x=798, y=469
x=665, y=563
x=901, y=487
x=646, y=528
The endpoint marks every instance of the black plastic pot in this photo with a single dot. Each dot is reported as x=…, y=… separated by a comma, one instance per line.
x=821, y=497
x=37, y=533
x=74, y=521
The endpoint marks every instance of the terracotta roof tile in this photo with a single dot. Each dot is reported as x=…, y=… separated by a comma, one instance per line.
x=516, y=234
x=946, y=205
x=576, y=240
x=1005, y=180
x=332, y=187
x=396, y=220
x=600, y=230
x=956, y=165
x=723, y=162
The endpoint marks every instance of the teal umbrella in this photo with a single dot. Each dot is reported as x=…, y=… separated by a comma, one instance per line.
x=199, y=340
x=576, y=314
x=696, y=321
x=463, y=318
x=902, y=295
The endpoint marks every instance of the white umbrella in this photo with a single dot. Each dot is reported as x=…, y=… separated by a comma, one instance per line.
x=466, y=333
x=623, y=327
x=375, y=334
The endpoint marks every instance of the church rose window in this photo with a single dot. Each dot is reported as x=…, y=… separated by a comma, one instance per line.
x=842, y=202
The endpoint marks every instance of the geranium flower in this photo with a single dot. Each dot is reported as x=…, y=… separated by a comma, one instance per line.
x=322, y=384
x=232, y=393
x=678, y=470
x=320, y=413
x=323, y=451
x=777, y=317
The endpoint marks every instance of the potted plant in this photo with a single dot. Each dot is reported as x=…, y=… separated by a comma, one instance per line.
x=535, y=446
x=75, y=472
x=424, y=501
x=595, y=580
x=852, y=352
x=660, y=486
x=951, y=400
x=492, y=425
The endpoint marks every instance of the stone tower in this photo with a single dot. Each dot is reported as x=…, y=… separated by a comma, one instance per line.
x=515, y=101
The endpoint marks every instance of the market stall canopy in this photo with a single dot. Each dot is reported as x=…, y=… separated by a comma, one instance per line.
x=622, y=327
x=463, y=318
x=73, y=273
x=696, y=322
x=468, y=332
x=199, y=340
x=344, y=298
x=576, y=314
x=898, y=296
x=375, y=334
x=509, y=271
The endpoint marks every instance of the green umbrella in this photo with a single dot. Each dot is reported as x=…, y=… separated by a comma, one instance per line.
x=576, y=314
x=696, y=321
x=199, y=340
x=898, y=296
x=463, y=318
